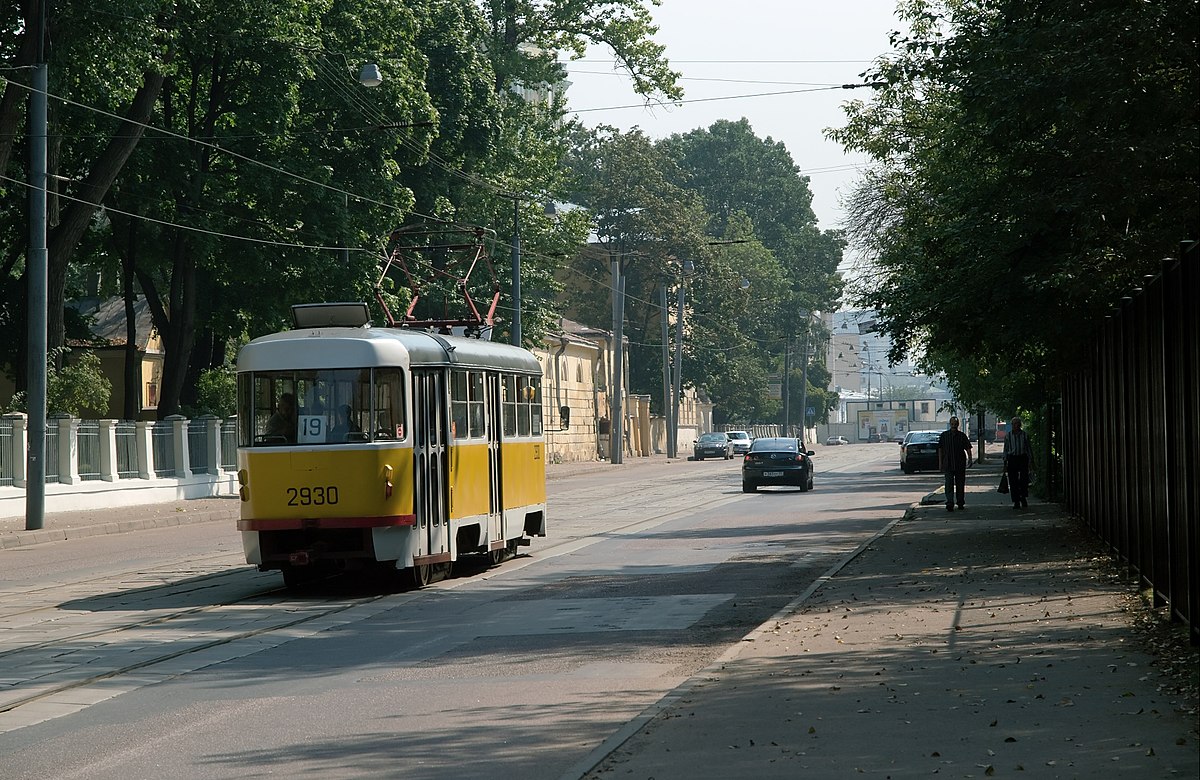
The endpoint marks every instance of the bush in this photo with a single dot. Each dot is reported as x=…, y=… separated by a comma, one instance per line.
x=71, y=389
x=216, y=392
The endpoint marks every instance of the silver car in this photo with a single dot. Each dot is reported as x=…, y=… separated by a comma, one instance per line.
x=741, y=441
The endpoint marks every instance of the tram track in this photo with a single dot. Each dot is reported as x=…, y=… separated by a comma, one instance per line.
x=86, y=663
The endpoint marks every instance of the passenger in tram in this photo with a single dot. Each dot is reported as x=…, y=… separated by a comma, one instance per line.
x=345, y=426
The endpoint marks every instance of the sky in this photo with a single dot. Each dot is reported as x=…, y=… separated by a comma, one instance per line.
x=745, y=48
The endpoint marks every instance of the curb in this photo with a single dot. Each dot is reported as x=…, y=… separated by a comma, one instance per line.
x=672, y=697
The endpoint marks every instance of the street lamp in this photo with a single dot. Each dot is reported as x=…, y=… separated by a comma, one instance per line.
x=804, y=378
x=38, y=264
x=370, y=76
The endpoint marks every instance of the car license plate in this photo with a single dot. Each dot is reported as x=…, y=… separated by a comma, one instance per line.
x=772, y=473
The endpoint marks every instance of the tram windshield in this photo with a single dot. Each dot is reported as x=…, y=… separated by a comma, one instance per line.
x=310, y=407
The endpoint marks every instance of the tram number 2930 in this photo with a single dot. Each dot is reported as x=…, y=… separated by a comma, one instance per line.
x=312, y=496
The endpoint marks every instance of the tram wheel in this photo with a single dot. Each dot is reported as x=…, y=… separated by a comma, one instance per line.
x=496, y=557
x=421, y=575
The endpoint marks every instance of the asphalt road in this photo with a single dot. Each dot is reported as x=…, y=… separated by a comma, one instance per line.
x=160, y=653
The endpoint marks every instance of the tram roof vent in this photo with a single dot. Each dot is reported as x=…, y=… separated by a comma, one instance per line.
x=331, y=315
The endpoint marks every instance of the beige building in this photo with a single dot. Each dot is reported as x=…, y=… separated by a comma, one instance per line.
x=108, y=328
x=576, y=378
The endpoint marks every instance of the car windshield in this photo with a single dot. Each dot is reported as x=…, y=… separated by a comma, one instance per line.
x=712, y=437
x=739, y=435
x=774, y=445
x=924, y=437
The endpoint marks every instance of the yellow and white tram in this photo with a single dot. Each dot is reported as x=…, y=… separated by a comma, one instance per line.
x=363, y=447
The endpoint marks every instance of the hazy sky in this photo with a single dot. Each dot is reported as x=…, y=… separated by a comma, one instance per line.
x=745, y=48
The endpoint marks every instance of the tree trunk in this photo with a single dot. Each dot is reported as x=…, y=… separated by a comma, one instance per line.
x=91, y=193
x=132, y=403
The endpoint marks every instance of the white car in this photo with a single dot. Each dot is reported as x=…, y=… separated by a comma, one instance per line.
x=833, y=441
x=741, y=441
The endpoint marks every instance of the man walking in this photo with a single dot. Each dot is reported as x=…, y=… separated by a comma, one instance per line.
x=1016, y=463
x=954, y=457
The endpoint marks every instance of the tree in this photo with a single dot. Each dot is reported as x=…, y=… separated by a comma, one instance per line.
x=122, y=79
x=741, y=177
x=1011, y=199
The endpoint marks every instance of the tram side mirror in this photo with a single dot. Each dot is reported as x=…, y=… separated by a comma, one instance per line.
x=564, y=417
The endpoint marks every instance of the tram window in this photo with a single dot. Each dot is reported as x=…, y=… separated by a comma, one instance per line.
x=475, y=403
x=302, y=407
x=508, y=389
x=535, y=405
x=389, y=404
x=459, y=397
x=245, y=410
x=529, y=405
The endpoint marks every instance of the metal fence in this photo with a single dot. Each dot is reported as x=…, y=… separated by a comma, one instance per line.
x=125, y=432
x=162, y=441
x=197, y=433
x=229, y=444
x=50, y=456
x=87, y=440
x=1130, y=424
x=7, y=453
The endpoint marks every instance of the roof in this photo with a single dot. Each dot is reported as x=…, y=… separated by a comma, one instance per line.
x=107, y=320
x=377, y=346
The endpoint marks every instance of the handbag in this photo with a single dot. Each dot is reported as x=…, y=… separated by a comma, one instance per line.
x=1003, y=483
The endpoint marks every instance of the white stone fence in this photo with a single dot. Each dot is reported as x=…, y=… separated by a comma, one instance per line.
x=92, y=463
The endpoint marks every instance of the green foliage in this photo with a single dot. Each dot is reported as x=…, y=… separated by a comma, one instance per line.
x=1030, y=167
x=76, y=388
x=216, y=392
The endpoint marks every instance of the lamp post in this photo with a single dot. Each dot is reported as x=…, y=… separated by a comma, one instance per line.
x=686, y=270
x=516, y=275
x=617, y=424
x=35, y=474
x=668, y=411
x=804, y=378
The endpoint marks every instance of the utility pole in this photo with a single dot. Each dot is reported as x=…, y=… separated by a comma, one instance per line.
x=686, y=268
x=516, y=274
x=668, y=408
x=38, y=259
x=804, y=387
x=787, y=384
x=617, y=425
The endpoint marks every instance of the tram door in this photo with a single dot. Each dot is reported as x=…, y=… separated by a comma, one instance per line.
x=495, y=461
x=430, y=461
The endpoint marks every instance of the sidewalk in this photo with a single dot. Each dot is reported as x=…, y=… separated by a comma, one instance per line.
x=988, y=642
x=968, y=644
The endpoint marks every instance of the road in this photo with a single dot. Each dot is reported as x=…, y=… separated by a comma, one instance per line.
x=161, y=653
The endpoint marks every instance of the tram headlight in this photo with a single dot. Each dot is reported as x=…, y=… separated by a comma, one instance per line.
x=243, y=489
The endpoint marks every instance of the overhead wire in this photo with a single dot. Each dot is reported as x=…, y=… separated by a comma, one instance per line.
x=359, y=102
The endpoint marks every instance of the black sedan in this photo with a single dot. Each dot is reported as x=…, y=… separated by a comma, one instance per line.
x=919, y=450
x=713, y=445
x=777, y=462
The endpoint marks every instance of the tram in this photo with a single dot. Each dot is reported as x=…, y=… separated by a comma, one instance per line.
x=363, y=447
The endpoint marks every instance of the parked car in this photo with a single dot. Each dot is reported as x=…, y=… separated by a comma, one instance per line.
x=713, y=445
x=873, y=438
x=741, y=441
x=834, y=441
x=919, y=451
x=777, y=462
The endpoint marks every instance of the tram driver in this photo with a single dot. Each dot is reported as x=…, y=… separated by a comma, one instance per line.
x=283, y=422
